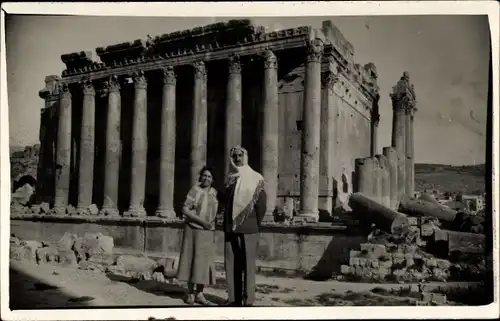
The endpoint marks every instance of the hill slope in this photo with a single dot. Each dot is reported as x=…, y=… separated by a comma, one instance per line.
x=468, y=179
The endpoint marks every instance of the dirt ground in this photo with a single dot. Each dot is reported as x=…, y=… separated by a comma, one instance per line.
x=45, y=286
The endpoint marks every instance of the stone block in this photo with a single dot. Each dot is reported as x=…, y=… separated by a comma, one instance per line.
x=35, y=209
x=347, y=270
x=440, y=274
x=44, y=208
x=413, y=221
x=414, y=288
x=66, y=242
x=374, y=263
x=22, y=253
x=92, y=244
x=66, y=258
x=354, y=253
x=364, y=262
x=363, y=272
x=101, y=258
x=130, y=263
x=427, y=229
x=31, y=244
x=91, y=266
x=409, y=262
x=167, y=265
x=381, y=271
x=385, y=264
x=443, y=264
x=430, y=262
x=398, y=260
x=158, y=277
x=374, y=250
x=93, y=210
x=46, y=254
x=438, y=298
x=399, y=273
x=440, y=235
x=71, y=210
x=426, y=297
x=354, y=261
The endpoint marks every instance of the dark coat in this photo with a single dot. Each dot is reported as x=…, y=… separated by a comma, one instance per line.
x=252, y=222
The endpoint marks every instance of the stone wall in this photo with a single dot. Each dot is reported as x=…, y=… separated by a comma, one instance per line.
x=320, y=249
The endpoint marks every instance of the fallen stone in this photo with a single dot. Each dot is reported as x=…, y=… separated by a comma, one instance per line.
x=22, y=195
x=423, y=208
x=440, y=274
x=413, y=221
x=430, y=262
x=346, y=269
x=438, y=298
x=44, y=208
x=14, y=240
x=374, y=251
x=93, y=210
x=91, y=266
x=443, y=264
x=167, y=266
x=385, y=264
x=354, y=253
x=71, y=210
x=67, y=240
x=426, y=297
x=158, y=277
x=66, y=258
x=35, y=209
x=92, y=244
x=22, y=253
x=46, y=255
x=145, y=276
x=130, y=263
x=102, y=259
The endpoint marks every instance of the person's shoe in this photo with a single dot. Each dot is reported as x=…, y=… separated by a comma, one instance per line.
x=189, y=299
x=200, y=298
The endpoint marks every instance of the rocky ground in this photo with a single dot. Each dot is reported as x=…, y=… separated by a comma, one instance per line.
x=54, y=286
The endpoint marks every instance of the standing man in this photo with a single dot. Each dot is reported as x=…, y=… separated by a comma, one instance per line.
x=244, y=211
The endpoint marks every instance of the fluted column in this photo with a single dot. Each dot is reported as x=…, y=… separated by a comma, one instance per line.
x=139, y=147
x=270, y=133
x=167, y=152
x=200, y=121
x=233, y=108
x=408, y=153
x=309, y=161
x=86, y=165
x=63, y=151
x=328, y=137
x=113, y=149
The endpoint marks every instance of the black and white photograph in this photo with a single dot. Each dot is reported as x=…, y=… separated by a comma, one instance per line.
x=215, y=164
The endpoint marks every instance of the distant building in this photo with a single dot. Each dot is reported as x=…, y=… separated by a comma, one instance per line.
x=473, y=203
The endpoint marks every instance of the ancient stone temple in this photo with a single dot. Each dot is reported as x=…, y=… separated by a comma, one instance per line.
x=130, y=132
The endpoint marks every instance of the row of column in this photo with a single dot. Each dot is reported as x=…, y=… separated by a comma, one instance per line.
x=165, y=208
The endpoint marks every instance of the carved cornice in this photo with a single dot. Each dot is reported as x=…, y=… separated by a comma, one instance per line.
x=403, y=94
x=169, y=75
x=176, y=45
x=140, y=80
x=87, y=86
x=200, y=71
x=234, y=65
x=315, y=50
x=270, y=60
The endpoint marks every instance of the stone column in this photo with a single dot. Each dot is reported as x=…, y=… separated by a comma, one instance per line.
x=328, y=138
x=377, y=179
x=392, y=159
x=200, y=121
x=365, y=179
x=139, y=147
x=113, y=149
x=403, y=98
x=45, y=176
x=233, y=109
x=167, y=158
x=410, y=162
x=375, y=119
x=309, y=161
x=270, y=133
x=386, y=183
x=63, y=151
x=87, y=137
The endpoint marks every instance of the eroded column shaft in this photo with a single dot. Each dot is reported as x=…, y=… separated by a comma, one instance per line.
x=200, y=121
x=113, y=149
x=392, y=160
x=233, y=109
x=139, y=148
x=87, y=138
x=63, y=151
x=270, y=133
x=309, y=162
x=398, y=142
x=167, y=157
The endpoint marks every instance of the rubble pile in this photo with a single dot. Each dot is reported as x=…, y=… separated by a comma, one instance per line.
x=422, y=242
x=94, y=252
x=27, y=208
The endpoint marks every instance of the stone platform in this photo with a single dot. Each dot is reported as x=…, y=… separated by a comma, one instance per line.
x=318, y=248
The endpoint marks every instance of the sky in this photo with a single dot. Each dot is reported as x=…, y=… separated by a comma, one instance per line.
x=446, y=57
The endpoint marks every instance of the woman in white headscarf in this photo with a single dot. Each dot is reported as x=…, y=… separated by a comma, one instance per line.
x=244, y=211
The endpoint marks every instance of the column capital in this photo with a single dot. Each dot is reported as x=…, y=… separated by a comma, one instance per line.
x=315, y=50
x=87, y=86
x=140, y=79
x=234, y=65
x=63, y=89
x=169, y=75
x=200, y=71
x=113, y=84
x=270, y=60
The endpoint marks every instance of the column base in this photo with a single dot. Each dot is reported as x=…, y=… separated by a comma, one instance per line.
x=109, y=212
x=135, y=212
x=268, y=218
x=60, y=210
x=166, y=213
x=304, y=218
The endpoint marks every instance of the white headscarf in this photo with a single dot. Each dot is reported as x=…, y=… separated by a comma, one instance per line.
x=249, y=184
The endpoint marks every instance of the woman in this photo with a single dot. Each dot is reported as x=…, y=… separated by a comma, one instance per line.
x=196, y=265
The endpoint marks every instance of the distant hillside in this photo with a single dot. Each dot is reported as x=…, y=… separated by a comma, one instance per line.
x=469, y=179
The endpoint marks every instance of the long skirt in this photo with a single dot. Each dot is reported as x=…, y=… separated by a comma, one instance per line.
x=196, y=264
